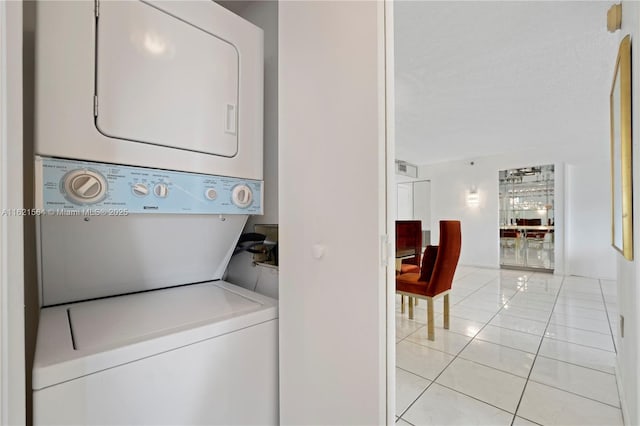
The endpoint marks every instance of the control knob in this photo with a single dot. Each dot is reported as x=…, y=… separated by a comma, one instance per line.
x=140, y=189
x=84, y=186
x=210, y=194
x=242, y=196
x=161, y=190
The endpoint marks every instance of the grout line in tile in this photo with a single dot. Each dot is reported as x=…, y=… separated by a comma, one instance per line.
x=460, y=351
x=473, y=397
x=509, y=312
x=569, y=305
x=433, y=380
x=465, y=275
x=510, y=347
x=529, y=308
x=414, y=373
x=492, y=367
x=548, y=323
x=582, y=316
x=530, y=421
x=615, y=348
x=519, y=331
x=579, y=344
x=581, y=329
x=405, y=337
x=574, y=296
x=404, y=420
x=577, y=365
x=533, y=364
x=422, y=393
x=444, y=330
x=573, y=393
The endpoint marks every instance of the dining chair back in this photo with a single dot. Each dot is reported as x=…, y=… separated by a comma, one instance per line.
x=409, y=237
x=436, y=275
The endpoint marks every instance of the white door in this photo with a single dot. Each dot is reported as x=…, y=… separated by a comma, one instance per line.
x=332, y=214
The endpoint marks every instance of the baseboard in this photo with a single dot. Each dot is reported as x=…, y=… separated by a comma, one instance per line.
x=623, y=403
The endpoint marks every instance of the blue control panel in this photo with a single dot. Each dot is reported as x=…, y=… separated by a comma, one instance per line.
x=81, y=186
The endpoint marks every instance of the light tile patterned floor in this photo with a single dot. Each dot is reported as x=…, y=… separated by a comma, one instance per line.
x=523, y=348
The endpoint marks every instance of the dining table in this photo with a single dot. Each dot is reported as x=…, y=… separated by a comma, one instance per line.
x=402, y=254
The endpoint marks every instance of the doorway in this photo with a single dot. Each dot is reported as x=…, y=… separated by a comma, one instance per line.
x=527, y=218
x=414, y=203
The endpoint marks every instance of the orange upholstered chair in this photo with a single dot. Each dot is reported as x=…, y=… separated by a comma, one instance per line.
x=409, y=237
x=436, y=274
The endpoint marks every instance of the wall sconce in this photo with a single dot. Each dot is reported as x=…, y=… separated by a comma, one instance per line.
x=473, y=198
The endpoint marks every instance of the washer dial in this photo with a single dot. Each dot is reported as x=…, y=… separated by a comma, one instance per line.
x=242, y=196
x=161, y=190
x=140, y=189
x=83, y=186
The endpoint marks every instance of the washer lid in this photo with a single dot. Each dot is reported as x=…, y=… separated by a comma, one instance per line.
x=116, y=321
x=164, y=81
x=87, y=337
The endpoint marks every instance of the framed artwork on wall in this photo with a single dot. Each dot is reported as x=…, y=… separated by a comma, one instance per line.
x=621, y=161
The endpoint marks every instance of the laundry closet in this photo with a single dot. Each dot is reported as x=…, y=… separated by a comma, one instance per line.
x=319, y=98
x=148, y=161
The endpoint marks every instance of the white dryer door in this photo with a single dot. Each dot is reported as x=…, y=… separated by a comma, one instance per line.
x=163, y=81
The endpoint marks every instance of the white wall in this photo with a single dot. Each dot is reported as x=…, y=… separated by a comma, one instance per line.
x=414, y=202
x=405, y=201
x=628, y=271
x=332, y=213
x=12, y=351
x=422, y=203
x=582, y=228
x=588, y=220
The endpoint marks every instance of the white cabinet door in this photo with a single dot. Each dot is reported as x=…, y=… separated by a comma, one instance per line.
x=332, y=213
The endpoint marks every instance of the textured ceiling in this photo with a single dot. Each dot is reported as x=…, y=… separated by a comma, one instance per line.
x=482, y=78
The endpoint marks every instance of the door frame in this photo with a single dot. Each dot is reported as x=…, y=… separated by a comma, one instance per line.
x=12, y=350
x=392, y=206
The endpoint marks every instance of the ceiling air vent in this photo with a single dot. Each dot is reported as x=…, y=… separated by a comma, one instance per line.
x=406, y=169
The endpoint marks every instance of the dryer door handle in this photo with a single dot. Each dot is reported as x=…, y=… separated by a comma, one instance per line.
x=230, y=124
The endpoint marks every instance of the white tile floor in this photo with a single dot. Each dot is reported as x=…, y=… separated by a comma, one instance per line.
x=523, y=348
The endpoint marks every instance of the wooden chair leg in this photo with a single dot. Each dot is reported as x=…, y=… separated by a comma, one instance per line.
x=415, y=301
x=430, y=326
x=446, y=311
x=410, y=307
x=402, y=303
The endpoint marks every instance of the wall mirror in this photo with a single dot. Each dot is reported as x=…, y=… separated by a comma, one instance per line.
x=527, y=217
x=621, y=166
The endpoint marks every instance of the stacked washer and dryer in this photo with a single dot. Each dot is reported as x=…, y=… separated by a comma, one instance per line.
x=148, y=163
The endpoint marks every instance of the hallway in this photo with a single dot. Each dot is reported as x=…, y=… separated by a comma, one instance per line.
x=523, y=348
